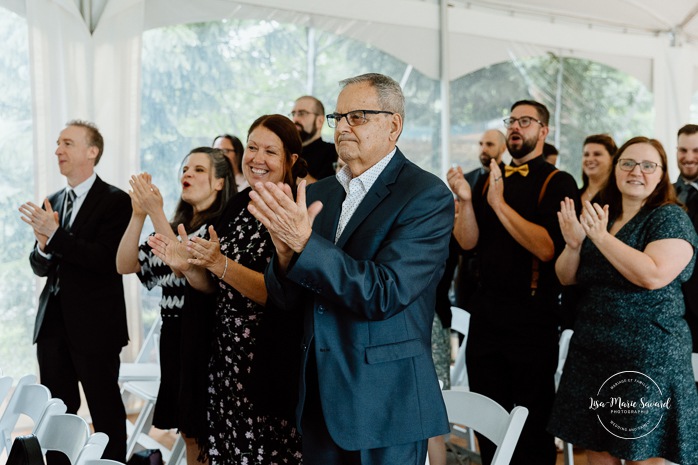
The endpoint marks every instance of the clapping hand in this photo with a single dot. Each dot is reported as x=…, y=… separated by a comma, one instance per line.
x=44, y=221
x=458, y=184
x=572, y=230
x=594, y=220
x=173, y=252
x=205, y=253
x=145, y=196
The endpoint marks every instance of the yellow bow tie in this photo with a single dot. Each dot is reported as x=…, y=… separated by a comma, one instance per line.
x=522, y=170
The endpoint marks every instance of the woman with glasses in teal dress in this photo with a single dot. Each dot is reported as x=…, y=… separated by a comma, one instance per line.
x=627, y=389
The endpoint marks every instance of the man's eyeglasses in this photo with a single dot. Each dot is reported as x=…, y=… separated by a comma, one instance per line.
x=524, y=121
x=647, y=167
x=300, y=113
x=354, y=118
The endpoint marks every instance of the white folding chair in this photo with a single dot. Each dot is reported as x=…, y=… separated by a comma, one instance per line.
x=5, y=386
x=146, y=366
x=103, y=462
x=460, y=321
x=488, y=418
x=66, y=433
x=138, y=437
x=29, y=399
x=93, y=450
x=564, y=345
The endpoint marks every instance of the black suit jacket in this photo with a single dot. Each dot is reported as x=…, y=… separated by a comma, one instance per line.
x=690, y=287
x=84, y=258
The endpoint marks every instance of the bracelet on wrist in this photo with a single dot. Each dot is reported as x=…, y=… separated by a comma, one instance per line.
x=225, y=270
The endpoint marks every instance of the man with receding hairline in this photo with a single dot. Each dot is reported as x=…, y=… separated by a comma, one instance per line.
x=81, y=321
x=361, y=262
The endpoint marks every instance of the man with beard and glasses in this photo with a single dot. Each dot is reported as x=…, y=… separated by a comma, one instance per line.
x=687, y=191
x=308, y=115
x=511, y=216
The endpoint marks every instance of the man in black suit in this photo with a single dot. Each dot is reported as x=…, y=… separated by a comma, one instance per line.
x=81, y=322
x=687, y=191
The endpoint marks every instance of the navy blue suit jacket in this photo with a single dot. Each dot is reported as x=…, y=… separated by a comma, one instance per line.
x=369, y=304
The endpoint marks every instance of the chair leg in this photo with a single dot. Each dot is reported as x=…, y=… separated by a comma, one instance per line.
x=568, y=453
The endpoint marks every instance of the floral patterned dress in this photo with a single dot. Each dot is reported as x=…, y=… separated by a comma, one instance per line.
x=240, y=431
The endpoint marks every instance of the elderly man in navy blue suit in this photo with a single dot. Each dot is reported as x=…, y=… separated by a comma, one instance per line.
x=362, y=262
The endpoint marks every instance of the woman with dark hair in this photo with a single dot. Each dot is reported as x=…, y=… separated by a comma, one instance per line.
x=627, y=390
x=598, y=151
x=253, y=367
x=207, y=186
x=233, y=149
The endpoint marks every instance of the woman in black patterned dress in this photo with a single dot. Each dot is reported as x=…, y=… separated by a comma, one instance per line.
x=627, y=391
x=254, y=354
x=207, y=185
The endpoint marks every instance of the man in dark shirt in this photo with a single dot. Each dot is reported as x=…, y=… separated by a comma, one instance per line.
x=308, y=115
x=493, y=144
x=511, y=215
x=687, y=190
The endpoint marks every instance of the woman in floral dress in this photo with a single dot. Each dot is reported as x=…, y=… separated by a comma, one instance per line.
x=246, y=427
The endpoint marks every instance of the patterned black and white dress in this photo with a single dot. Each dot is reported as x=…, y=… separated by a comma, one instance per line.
x=243, y=429
x=154, y=272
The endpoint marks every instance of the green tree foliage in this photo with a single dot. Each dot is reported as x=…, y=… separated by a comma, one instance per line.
x=17, y=282
x=592, y=98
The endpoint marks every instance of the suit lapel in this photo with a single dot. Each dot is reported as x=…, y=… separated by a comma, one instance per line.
x=374, y=197
x=326, y=223
x=91, y=200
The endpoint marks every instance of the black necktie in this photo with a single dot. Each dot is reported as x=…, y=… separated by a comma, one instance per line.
x=54, y=285
x=68, y=210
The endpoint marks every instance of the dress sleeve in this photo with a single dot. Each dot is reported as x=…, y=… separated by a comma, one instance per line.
x=670, y=222
x=147, y=275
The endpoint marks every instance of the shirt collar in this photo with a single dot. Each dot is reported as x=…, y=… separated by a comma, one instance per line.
x=82, y=188
x=368, y=177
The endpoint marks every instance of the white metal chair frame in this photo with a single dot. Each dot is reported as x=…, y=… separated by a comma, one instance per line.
x=564, y=346
x=146, y=366
x=138, y=431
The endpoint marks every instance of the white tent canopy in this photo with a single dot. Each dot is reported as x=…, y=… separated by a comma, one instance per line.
x=92, y=67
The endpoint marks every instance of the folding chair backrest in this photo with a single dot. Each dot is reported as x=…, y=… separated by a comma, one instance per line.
x=5, y=386
x=65, y=432
x=94, y=449
x=460, y=321
x=28, y=399
x=488, y=418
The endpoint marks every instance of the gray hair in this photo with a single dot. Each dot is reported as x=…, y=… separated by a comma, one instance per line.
x=390, y=96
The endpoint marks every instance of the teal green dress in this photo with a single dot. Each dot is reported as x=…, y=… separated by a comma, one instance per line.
x=628, y=386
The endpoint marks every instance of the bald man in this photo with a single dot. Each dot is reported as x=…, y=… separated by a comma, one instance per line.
x=492, y=145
